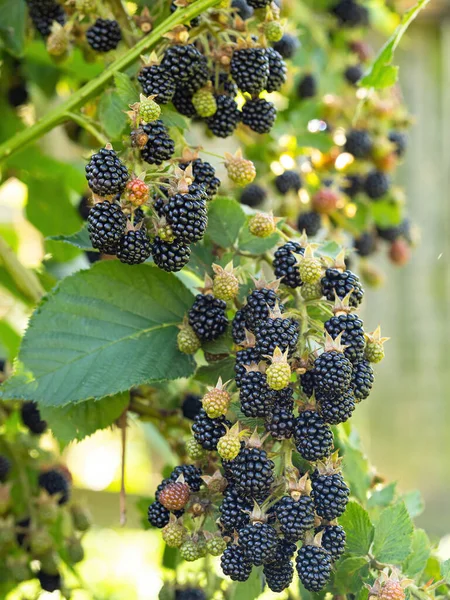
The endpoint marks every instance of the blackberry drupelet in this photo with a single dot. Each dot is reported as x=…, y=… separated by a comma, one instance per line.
x=252, y=473
x=333, y=540
x=208, y=431
x=359, y=143
x=307, y=87
x=277, y=70
x=279, y=571
x=226, y=118
x=332, y=372
x=340, y=283
x=287, y=46
x=255, y=396
x=204, y=175
x=182, y=62
x=159, y=146
x=307, y=383
x=253, y=195
x=288, y=181
x=330, y=495
x=49, y=582
x=234, y=510
x=350, y=13
x=280, y=421
x=191, y=406
x=5, y=467
x=259, y=304
x=285, y=264
x=310, y=222
x=244, y=358
x=31, y=418
x=54, y=482
x=314, y=567
x=400, y=140
x=296, y=516
x=104, y=35
x=259, y=115
x=352, y=329
x=191, y=474
x=157, y=515
x=238, y=327
x=106, y=174
x=259, y=542
x=106, y=226
x=170, y=257
x=362, y=380
x=134, y=247
x=335, y=409
x=207, y=317
x=243, y=9
x=250, y=69
x=376, y=184
x=277, y=332
x=365, y=244
x=313, y=437
x=182, y=101
x=353, y=74
x=43, y=13
x=234, y=563
x=156, y=81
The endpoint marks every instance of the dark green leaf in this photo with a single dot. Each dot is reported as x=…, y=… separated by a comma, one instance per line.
x=350, y=573
x=225, y=219
x=12, y=25
x=249, y=243
x=171, y=118
x=330, y=249
x=125, y=89
x=420, y=552
x=222, y=345
x=209, y=374
x=445, y=570
x=249, y=590
x=171, y=558
x=111, y=114
x=80, y=239
x=358, y=529
x=382, y=497
x=392, y=540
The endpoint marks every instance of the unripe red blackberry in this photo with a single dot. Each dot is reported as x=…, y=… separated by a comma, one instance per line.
x=174, y=496
x=359, y=143
x=234, y=564
x=277, y=70
x=376, y=184
x=325, y=201
x=250, y=69
x=310, y=222
x=106, y=174
x=137, y=191
x=207, y=317
x=157, y=81
x=259, y=115
x=400, y=252
x=258, y=542
x=313, y=437
x=104, y=35
x=134, y=247
x=287, y=46
x=314, y=567
x=307, y=87
x=333, y=540
x=208, y=431
x=170, y=257
x=226, y=118
x=362, y=380
x=31, y=418
x=288, y=181
x=253, y=195
x=262, y=225
x=159, y=146
x=330, y=494
x=285, y=264
x=44, y=13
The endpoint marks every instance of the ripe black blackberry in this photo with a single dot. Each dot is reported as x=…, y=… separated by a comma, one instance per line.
x=276, y=332
x=156, y=81
x=307, y=383
x=226, y=118
x=330, y=495
x=296, y=516
x=207, y=317
x=340, y=283
x=287, y=46
x=390, y=234
x=362, y=379
x=182, y=62
x=160, y=146
x=400, y=140
x=104, y=35
x=255, y=395
x=234, y=563
x=288, y=181
x=191, y=474
x=280, y=421
x=182, y=101
x=259, y=304
x=199, y=77
x=224, y=84
x=18, y=94
x=106, y=174
x=54, y=482
x=279, y=571
x=310, y=222
x=352, y=329
x=5, y=467
x=208, y=431
x=234, y=510
x=351, y=14
x=204, y=175
x=157, y=515
x=31, y=418
x=243, y=9
x=353, y=184
x=170, y=257
x=253, y=195
x=244, y=358
x=313, y=437
x=106, y=226
x=186, y=215
x=49, y=582
x=336, y=408
x=250, y=69
x=365, y=244
x=277, y=70
x=332, y=372
x=353, y=74
x=307, y=87
x=313, y=567
x=134, y=247
x=238, y=327
x=43, y=13
x=252, y=473
x=358, y=143
x=191, y=406
x=259, y=115
x=258, y=542
x=376, y=184
x=333, y=540
x=285, y=264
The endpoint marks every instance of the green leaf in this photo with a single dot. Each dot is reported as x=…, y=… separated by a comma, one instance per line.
x=111, y=114
x=12, y=25
x=382, y=497
x=445, y=570
x=171, y=118
x=171, y=558
x=249, y=243
x=209, y=374
x=420, y=552
x=125, y=89
x=356, y=471
x=414, y=502
x=101, y=332
x=350, y=573
x=9, y=341
x=77, y=421
x=392, y=540
x=386, y=213
x=358, y=529
x=80, y=239
x=249, y=590
x=225, y=219
x=321, y=141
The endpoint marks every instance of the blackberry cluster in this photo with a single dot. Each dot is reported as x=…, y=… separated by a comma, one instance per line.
x=44, y=13
x=255, y=396
x=278, y=332
x=313, y=437
x=156, y=81
x=352, y=329
x=259, y=115
x=279, y=572
x=226, y=118
x=104, y=35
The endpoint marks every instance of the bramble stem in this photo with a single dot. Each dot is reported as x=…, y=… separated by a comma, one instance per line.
x=26, y=281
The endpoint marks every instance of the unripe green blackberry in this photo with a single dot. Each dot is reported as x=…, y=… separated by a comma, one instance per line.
x=216, y=401
x=310, y=269
x=216, y=546
x=187, y=341
x=204, y=103
x=191, y=551
x=374, y=350
x=40, y=542
x=226, y=284
x=75, y=551
x=194, y=450
x=279, y=372
x=311, y=291
x=174, y=534
x=81, y=517
x=229, y=446
x=149, y=110
x=273, y=30
x=50, y=563
x=239, y=169
x=262, y=225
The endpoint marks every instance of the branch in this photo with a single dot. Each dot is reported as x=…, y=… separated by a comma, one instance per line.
x=80, y=97
x=26, y=281
x=124, y=21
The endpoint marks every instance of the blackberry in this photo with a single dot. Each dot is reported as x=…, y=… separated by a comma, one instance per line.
x=390, y=234
x=106, y=226
x=43, y=13
x=252, y=473
x=225, y=84
x=106, y=174
x=84, y=207
x=243, y=9
x=277, y=332
x=183, y=62
x=352, y=330
x=255, y=396
x=54, y=482
x=351, y=14
x=353, y=184
x=277, y=70
x=314, y=567
x=259, y=304
x=287, y=46
x=159, y=146
x=18, y=94
x=333, y=540
x=208, y=432
x=244, y=358
x=362, y=380
x=280, y=422
x=285, y=264
x=207, y=317
x=174, y=496
x=288, y=181
x=340, y=283
x=335, y=409
x=250, y=69
x=134, y=248
x=49, y=582
x=365, y=244
x=313, y=437
x=234, y=510
x=156, y=81
x=358, y=143
x=170, y=257
x=332, y=372
x=238, y=327
x=186, y=215
x=353, y=74
x=5, y=467
x=253, y=195
x=279, y=571
x=376, y=184
x=307, y=383
x=204, y=175
x=157, y=515
x=310, y=222
x=31, y=418
x=307, y=87
x=104, y=35
x=259, y=115
x=182, y=101
x=258, y=542
x=191, y=474
x=296, y=516
x=226, y=118
x=191, y=406
x=234, y=563
x=190, y=593
x=400, y=140
x=330, y=495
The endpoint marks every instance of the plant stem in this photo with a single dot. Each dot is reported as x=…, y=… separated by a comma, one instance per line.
x=124, y=20
x=26, y=281
x=58, y=115
x=123, y=493
x=87, y=126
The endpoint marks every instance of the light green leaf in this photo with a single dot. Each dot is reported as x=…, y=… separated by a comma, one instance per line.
x=414, y=502
x=420, y=552
x=249, y=243
x=321, y=141
x=249, y=590
x=225, y=220
x=356, y=472
x=101, y=332
x=111, y=114
x=382, y=497
x=125, y=89
x=392, y=540
x=386, y=213
x=445, y=570
x=80, y=239
x=358, y=529
x=330, y=249
x=349, y=574
x=12, y=25
x=171, y=118
x=9, y=341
